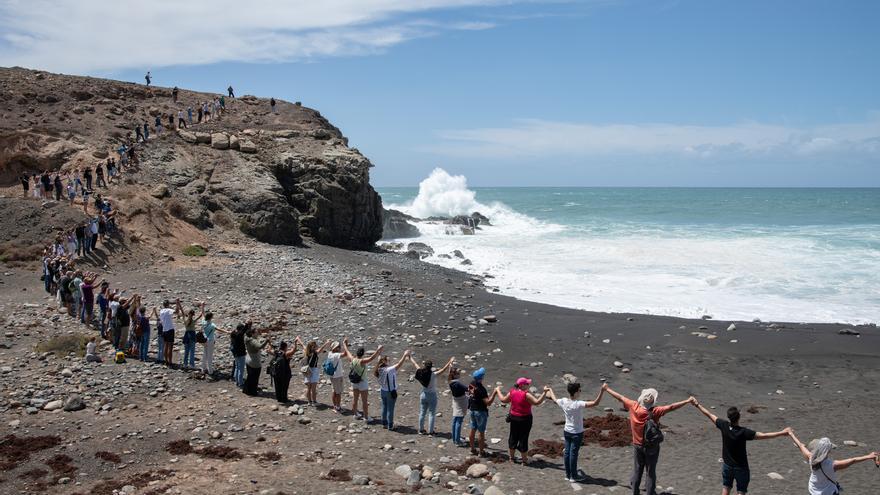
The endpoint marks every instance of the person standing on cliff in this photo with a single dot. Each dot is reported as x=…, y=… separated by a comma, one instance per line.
x=174, y=92
x=25, y=185
x=189, y=114
x=146, y=132
x=272, y=104
x=231, y=92
x=646, y=437
x=148, y=78
x=181, y=122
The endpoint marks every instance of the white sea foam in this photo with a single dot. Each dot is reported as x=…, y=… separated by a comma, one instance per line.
x=781, y=275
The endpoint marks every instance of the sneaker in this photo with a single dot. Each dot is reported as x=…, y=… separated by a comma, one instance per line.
x=567, y=479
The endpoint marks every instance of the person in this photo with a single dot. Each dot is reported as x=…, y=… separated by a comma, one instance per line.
x=459, y=404
x=272, y=104
x=823, y=469
x=280, y=366
x=99, y=176
x=387, y=376
x=143, y=332
x=479, y=401
x=189, y=338
x=520, y=416
x=358, y=377
x=166, y=318
x=87, y=289
x=209, y=330
x=75, y=284
x=92, y=352
x=645, y=456
x=735, y=465
x=158, y=125
x=174, y=92
x=200, y=114
x=148, y=78
x=87, y=175
x=239, y=353
x=254, y=346
x=333, y=369
x=427, y=377
x=573, y=432
x=123, y=323
x=231, y=92
x=146, y=133
x=181, y=122
x=189, y=114
x=103, y=307
x=80, y=234
x=311, y=373
x=25, y=185
x=57, y=186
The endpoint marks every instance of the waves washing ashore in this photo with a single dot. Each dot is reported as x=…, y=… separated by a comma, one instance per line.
x=804, y=255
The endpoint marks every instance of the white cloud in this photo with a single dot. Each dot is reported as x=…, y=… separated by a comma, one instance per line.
x=531, y=137
x=90, y=35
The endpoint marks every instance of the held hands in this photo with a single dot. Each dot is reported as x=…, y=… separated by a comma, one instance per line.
x=546, y=388
x=605, y=386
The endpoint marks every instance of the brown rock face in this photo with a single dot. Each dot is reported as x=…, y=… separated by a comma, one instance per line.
x=274, y=177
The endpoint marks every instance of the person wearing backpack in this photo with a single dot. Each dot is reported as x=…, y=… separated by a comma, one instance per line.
x=387, y=376
x=333, y=369
x=279, y=369
x=646, y=434
x=427, y=377
x=357, y=375
x=823, y=469
x=310, y=371
x=735, y=466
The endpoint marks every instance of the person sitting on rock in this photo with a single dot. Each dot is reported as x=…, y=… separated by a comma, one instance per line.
x=573, y=432
x=358, y=377
x=92, y=352
x=643, y=417
x=520, y=416
x=823, y=469
x=427, y=377
x=735, y=465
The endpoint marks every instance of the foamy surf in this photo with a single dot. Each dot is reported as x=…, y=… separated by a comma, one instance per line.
x=569, y=251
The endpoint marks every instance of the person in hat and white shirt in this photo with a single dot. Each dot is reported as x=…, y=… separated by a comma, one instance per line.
x=823, y=469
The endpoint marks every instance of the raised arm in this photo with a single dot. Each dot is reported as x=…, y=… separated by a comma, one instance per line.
x=345, y=351
x=612, y=393
x=373, y=356
x=713, y=418
x=775, y=434
x=413, y=361
x=446, y=366
x=550, y=393
x=845, y=463
x=679, y=405
x=489, y=400
x=537, y=401
x=501, y=395
x=323, y=347
x=594, y=403
x=402, y=360
x=800, y=445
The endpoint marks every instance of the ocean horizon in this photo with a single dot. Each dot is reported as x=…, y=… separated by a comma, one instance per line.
x=802, y=254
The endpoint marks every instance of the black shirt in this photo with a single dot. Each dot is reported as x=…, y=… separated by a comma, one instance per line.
x=458, y=389
x=733, y=443
x=238, y=348
x=477, y=401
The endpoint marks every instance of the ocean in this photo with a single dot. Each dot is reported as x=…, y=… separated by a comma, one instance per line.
x=801, y=255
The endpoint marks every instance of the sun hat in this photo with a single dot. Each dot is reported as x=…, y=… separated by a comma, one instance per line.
x=523, y=381
x=648, y=397
x=819, y=450
x=334, y=345
x=479, y=374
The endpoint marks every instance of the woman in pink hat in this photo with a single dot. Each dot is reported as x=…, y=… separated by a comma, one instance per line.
x=520, y=416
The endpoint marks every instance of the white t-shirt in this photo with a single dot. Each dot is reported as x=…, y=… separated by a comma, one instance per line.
x=166, y=317
x=823, y=481
x=388, y=379
x=114, y=305
x=574, y=414
x=90, y=349
x=335, y=358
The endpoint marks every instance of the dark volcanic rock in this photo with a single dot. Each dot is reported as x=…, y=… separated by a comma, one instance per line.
x=395, y=225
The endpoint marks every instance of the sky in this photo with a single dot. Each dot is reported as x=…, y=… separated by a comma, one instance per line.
x=516, y=93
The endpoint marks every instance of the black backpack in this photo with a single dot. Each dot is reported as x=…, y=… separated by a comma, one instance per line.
x=653, y=435
x=354, y=376
x=272, y=368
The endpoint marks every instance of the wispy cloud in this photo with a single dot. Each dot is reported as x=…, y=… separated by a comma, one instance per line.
x=531, y=138
x=106, y=35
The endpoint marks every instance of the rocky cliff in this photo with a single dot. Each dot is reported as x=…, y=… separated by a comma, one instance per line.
x=276, y=177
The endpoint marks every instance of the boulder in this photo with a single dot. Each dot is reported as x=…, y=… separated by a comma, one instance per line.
x=189, y=137
x=203, y=137
x=395, y=225
x=420, y=248
x=247, y=146
x=234, y=143
x=74, y=403
x=160, y=191
x=219, y=141
x=478, y=470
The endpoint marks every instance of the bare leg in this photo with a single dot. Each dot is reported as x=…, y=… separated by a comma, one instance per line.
x=366, y=402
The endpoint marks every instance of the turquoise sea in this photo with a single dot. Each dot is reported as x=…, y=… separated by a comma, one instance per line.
x=774, y=254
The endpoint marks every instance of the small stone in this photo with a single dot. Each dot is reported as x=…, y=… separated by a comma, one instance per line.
x=493, y=490
x=775, y=476
x=731, y=328
x=403, y=470
x=360, y=479
x=216, y=434
x=618, y=364
x=53, y=405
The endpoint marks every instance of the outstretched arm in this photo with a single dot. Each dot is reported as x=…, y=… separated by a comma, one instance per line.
x=445, y=367
x=402, y=360
x=373, y=356
x=845, y=463
x=413, y=361
x=612, y=393
x=594, y=403
x=800, y=445
x=550, y=393
x=489, y=400
x=537, y=401
x=679, y=405
x=713, y=418
x=775, y=434
x=501, y=396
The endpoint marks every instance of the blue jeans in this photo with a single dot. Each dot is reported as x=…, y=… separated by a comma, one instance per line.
x=479, y=420
x=388, y=404
x=161, y=345
x=427, y=405
x=239, y=370
x=103, y=323
x=189, y=353
x=145, y=346
x=570, y=456
x=456, y=429
x=740, y=475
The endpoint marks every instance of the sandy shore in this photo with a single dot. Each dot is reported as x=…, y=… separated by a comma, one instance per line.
x=807, y=376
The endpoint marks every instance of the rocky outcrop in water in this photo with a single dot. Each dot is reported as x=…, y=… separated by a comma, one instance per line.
x=396, y=225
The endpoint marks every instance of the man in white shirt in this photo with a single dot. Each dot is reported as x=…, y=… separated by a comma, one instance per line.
x=166, y=318
x=574, y=427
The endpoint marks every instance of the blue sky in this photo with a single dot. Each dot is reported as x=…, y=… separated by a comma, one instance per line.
x=509, y=93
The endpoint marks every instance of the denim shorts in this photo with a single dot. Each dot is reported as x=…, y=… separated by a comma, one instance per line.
x=479, y=419
x=741, y=475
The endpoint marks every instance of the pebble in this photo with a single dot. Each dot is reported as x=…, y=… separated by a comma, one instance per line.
x=775, y=476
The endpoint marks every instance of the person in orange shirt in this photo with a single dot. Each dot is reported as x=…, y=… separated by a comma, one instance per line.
x=643, y=422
